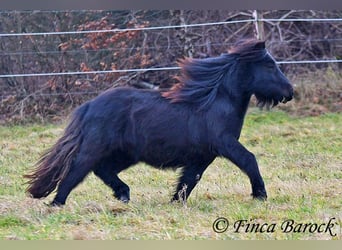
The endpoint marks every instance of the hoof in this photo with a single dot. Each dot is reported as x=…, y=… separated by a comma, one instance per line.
x=260, y=195
x=122, y=194
x=260, y=198
x=56, y=204
x=124, y=199
x=177, y=200
x=173, y=200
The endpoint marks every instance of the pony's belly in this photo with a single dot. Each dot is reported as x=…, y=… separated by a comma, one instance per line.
x=176, y=157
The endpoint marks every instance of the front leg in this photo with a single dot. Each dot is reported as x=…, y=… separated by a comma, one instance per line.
x=233, y=150
x=189, y=178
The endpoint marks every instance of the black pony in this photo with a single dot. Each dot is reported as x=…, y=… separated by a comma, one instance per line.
x=186, y=126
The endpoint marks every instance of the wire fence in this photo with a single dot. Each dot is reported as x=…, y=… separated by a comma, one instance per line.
x=51, y=52
x=183, y=26
x=145, y=69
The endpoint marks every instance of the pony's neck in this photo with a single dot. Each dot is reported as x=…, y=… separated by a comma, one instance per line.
x=236, y=95
x=235, y=107
x=242, y=107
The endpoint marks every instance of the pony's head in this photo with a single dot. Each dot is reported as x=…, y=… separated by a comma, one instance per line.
x=247, y=69
x=263, y=77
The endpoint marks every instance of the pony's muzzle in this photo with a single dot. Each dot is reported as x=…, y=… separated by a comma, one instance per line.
x=286, y=99
x=288, y=96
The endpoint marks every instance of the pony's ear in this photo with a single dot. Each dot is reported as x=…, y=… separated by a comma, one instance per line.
x=260, y=45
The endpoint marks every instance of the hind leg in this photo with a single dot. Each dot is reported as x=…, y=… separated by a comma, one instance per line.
x=74, y=177
x=80, y=169
x=108, y=175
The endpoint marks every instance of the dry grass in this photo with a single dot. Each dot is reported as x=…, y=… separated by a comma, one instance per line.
x=316, y=93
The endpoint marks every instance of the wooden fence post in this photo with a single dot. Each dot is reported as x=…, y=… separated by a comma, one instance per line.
x=188, y=46
x=259, y=25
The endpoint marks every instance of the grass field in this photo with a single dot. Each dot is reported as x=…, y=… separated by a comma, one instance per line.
x=300, y=160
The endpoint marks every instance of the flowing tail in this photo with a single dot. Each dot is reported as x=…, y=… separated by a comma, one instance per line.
x=56, y=162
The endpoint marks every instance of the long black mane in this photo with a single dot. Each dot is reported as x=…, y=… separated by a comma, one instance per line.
x=201, y=79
